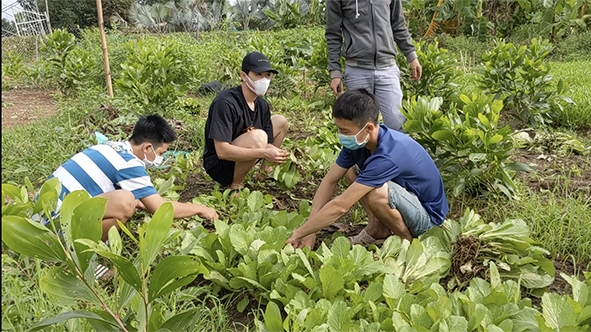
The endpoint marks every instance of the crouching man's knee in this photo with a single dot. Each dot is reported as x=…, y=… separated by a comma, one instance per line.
x=279, y=122
x=121, y=204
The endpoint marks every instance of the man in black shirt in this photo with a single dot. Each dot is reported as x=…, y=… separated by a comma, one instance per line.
x=240, y=129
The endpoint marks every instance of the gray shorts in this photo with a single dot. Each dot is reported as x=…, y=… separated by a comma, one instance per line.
x=414, y=215
x=416, y=218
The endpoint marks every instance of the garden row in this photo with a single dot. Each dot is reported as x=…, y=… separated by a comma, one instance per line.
x=398, y=287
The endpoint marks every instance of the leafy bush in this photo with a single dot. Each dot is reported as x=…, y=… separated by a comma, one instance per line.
x=520, y=76
x=470, y=149
x=439, y=73
x=13, y=66
x=151, y=74
x=287, y=14
x=71, y=68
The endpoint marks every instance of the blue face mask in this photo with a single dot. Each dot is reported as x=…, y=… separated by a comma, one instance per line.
x=350, y=141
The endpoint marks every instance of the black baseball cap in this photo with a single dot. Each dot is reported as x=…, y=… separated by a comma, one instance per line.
x=257, y=62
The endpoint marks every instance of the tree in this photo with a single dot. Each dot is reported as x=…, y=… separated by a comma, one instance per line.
x=82, y=14
x=28, y=5
x=245, y=10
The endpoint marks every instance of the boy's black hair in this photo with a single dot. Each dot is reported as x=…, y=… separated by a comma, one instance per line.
x=358, y=106
x=153, y=129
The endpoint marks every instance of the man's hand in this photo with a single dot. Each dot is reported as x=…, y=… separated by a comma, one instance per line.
x=336, y=85
x=208, y=213
x=307, y=241
x=416, y=71
x=139, y=205
x=275, y=155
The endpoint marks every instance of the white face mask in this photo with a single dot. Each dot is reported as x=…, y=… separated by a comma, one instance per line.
x=153, y=163
x=259, y=87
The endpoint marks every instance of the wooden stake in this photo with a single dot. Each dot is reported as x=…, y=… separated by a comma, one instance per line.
x=47, y=16
x=101, y=24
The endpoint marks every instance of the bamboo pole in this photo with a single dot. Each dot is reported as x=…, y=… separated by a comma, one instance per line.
x=47, y=16
x=101, y=23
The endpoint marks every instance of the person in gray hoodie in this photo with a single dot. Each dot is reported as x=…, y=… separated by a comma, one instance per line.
x=370, y=29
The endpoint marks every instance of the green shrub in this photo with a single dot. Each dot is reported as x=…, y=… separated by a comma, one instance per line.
x=144, y=280
x=520, y=76
x=71, y=68
x=13, y=66
x=524, y=33
x=470, y=149
x=151, y=74
x=439, y=73
x=576, y=73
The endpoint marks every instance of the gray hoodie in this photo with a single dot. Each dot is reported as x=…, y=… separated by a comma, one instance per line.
x=371, y=30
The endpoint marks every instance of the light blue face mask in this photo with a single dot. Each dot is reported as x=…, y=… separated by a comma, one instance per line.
x=350, y=141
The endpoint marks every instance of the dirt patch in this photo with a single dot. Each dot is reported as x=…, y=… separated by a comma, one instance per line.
x=560, y=285
x=196, y=185
x=570, y=173
x=21, y=106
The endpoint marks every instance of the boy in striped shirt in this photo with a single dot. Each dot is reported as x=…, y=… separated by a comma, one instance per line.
x=117, y=171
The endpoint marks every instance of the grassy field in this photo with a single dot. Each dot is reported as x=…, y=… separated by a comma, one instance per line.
x=555, y=200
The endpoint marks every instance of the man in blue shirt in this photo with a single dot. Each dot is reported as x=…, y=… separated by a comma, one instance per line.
x=390, y=174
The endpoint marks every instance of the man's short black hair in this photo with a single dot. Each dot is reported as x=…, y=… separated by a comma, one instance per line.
x=358, y=106
x=153, y=129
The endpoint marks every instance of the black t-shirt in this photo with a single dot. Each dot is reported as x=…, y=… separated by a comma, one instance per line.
x=229, y=117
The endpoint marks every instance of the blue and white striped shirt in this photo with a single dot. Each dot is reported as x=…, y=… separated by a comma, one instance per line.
x=104, y=168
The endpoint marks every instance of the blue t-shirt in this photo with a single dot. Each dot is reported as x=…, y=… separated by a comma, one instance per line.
x=400, y=159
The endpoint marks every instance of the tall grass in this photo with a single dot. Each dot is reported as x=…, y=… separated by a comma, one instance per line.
x=577, y=75
x=23, y=302
x=561, y=224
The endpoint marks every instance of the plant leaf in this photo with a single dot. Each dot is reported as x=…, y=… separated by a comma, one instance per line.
x=155, y=234
x=71, y=315
x=86, y=223
x=184, y=321
x=69, y=205
x=273, y=319
x=519, y=167
x=557, y=311
x=337, y=316
x=443, y=135
x=332, y=281
x=64, y=287
x=31, y=238
x=171, y=273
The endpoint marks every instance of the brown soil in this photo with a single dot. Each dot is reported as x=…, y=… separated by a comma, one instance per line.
x=567, y=267
x=570, y=173
x=23, y=105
